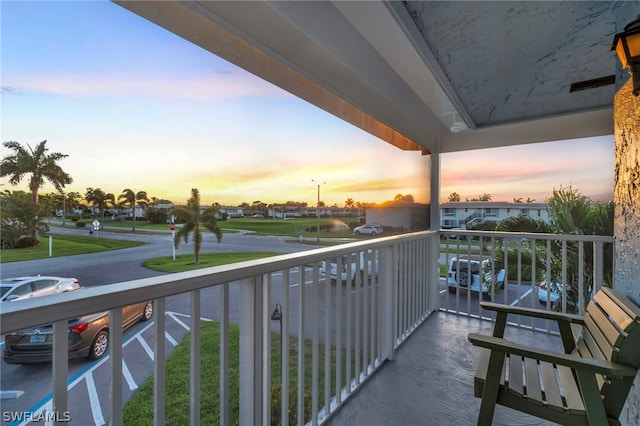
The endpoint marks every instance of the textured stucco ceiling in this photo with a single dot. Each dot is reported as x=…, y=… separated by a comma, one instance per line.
x=513, y=60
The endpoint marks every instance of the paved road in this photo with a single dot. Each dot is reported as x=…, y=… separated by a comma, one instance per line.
x=125, y=264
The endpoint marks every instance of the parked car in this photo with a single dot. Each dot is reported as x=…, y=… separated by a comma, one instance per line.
x=88, y=336
x=549, y=293
x=452, y=236
x=363, y=267
x=369, y=229
x=34, y=286
x=472, y=274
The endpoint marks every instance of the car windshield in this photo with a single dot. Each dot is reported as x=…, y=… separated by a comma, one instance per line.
x=4, y=289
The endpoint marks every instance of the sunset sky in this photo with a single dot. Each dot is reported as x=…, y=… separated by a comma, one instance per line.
x=135, y=106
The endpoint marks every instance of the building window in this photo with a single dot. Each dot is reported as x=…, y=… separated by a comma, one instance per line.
x=491, y=212
x=449, y=212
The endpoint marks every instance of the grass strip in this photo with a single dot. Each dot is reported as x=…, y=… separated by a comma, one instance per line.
x=186, y=262
x=65, y=245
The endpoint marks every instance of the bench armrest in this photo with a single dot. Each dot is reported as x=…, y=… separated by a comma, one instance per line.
x=608, y=368
x=532, y=312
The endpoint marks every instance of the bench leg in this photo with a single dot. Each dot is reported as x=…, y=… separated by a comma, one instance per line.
x=592, y=398
x=490, y=390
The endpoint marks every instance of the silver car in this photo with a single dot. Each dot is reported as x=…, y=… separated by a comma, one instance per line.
x=20, y=288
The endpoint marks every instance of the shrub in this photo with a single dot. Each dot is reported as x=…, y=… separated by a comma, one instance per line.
x=81, y=224
x=156, y=216
x=25, y=242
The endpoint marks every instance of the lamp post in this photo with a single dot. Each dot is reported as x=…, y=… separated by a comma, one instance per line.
x=318, y=210
x=627, y=46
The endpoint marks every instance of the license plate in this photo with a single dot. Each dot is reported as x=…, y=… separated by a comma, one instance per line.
x=38, y=338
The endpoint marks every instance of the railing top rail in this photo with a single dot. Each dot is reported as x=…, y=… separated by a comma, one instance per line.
x=23, y=314
x=531, y=235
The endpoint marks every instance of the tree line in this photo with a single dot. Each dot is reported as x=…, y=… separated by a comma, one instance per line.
x=455, y=197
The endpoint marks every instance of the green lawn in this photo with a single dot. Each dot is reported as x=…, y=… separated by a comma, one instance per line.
x=293, y=227
x=187, y=262
x=139, y=409
x=65, y=245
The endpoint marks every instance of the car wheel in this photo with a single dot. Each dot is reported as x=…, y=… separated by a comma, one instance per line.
x=99, y=345
x=464, y=279
x=374, y=233
x=357, y=232
x=147, y=312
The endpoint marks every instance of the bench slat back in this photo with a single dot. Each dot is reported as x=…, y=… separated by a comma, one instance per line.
x=612, y=329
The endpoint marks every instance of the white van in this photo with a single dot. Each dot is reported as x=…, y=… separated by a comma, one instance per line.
x=468, y=274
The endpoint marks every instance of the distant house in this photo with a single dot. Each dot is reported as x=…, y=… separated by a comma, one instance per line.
x=232, y=211
x=164, y=204
x=400, y=215
x=465, y=214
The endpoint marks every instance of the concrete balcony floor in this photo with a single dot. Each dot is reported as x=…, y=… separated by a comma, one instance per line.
x=430, y=382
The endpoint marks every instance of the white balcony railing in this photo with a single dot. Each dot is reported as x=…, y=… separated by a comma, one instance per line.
x=385, y=288
x=584, y=262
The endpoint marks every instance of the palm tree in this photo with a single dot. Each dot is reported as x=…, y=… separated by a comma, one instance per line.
x=133, y=199
x=98, y=198
x=37, y=163
x=349, y=203
x=571, y=213
x=193, y=218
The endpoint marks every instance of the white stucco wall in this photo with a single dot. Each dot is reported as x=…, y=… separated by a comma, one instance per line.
x=627, y=214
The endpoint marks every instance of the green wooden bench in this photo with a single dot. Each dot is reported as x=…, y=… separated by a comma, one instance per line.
x=586, y=385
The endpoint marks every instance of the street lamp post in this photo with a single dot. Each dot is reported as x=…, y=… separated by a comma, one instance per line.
x=318, y=210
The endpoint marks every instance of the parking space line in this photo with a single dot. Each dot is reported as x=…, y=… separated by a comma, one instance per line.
x=46, y=403
x=145, y=346
x=170, y=339
x=173, y=315
x=515, y=302
x=128, y=377
x=96, y=410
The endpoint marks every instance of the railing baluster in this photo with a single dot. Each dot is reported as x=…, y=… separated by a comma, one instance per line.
x=339, y=330
x=194, y=359
x=60, y=368
x=266, y=349
x=284, y=350
x=348, y=320
x=251, y=312
x=301, y=346
x=327, y=347
x=159, y=360
x=389, y=301
x=357, y=277
x=115, y=359
x=224, y=354
x=314, y=347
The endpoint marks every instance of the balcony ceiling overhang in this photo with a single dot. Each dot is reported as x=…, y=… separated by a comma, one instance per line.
x=426, y=75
